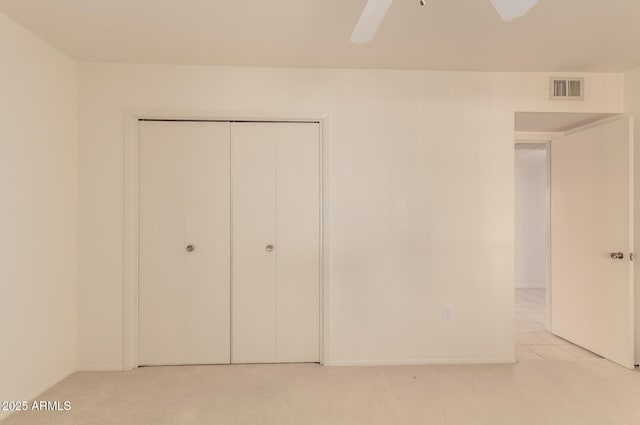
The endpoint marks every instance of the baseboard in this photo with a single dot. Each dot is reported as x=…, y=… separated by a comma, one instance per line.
x=418, y=362
x=41, y=390
x=100, y=368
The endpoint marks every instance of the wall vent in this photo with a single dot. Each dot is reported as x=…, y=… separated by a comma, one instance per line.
x=566, y=88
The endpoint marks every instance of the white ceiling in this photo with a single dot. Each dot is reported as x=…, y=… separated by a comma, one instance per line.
x=557, y=35
x=554, y=122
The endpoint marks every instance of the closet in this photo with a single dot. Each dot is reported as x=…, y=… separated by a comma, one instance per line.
x=229, y=251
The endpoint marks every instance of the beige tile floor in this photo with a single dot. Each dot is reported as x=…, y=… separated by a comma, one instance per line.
x=568, y=388
x=533, y=342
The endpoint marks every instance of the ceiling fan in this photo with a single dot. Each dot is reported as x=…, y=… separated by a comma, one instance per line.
x=375, y=11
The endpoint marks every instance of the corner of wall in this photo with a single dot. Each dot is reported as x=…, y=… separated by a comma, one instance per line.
x=39, y=246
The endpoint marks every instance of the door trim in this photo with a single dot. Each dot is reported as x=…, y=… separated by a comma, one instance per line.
x=130, y=278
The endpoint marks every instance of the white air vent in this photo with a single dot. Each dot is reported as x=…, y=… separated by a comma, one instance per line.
x=566, y=88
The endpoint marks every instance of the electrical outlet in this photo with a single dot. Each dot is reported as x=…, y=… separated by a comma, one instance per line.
x=447, y=312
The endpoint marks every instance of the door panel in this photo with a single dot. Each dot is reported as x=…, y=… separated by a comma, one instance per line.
x=184, y=303
x=276, y=201
x=591, y=212
x=161, y=318
x=298, y=234
x=254, y=269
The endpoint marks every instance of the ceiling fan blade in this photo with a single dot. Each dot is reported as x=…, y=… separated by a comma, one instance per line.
x=371, y=18
x=512, y=9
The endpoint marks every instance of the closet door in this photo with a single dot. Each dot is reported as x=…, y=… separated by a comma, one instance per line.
x=184, y=299
x=276, y=242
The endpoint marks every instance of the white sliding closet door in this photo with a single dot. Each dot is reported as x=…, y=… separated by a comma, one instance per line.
x=184, y=300
x=276, y=242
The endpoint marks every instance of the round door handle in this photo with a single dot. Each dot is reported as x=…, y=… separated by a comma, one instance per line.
x=190, y=248
x=269, y=248
x=617, y=256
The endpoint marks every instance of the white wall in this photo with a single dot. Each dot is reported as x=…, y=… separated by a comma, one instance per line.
x=531, y=231
x=421, y=208
x=632, y=108
x=38, y=135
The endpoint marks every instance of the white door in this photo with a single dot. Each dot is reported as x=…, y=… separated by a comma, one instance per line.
x=276, y=242
x=591, y=219
x=184, y=299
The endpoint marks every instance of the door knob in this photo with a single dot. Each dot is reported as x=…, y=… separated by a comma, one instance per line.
x=190, y=248
x=269, y=248
x=617, y=255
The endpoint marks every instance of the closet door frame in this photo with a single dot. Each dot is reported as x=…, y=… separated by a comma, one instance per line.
x=131, y=215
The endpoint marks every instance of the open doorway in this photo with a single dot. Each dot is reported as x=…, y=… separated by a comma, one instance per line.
x=538, y=136
x=532, y=250
x=532, y=233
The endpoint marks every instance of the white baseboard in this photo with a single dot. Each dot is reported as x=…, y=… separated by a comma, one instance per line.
x=100, y=368
x=34, y=395
x=418, y=362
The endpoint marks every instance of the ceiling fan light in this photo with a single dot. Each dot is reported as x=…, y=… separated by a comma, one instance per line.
x=512, y=9
x=371, y=18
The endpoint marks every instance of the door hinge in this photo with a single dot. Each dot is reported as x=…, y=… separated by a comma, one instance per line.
x=631, y=256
